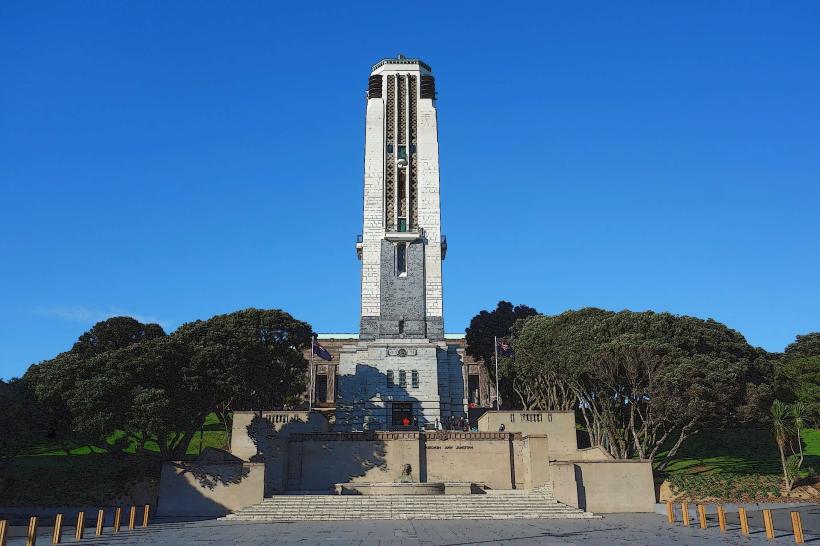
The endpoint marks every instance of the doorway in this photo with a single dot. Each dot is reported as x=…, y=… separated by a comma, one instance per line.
x=402, y=411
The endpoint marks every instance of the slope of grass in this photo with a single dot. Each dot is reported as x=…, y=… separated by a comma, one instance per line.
x=740, y=451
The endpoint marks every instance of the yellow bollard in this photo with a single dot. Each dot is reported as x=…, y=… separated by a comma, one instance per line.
x=57, y=535
x=744, y=521
x=100, y=522
x=797, y=526
x=721, y=518
x=78, y=534
x=144, y=517
x=670, y=512
x=4, y=529
x=31, y=535
x=684, y=509
x=702, y=516
x=117, y=518
x=768, y=524
x=132, y=517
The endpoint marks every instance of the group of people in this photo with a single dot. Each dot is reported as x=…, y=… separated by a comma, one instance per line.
x=449, y=423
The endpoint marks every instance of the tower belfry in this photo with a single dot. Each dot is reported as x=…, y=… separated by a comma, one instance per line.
x=401, y=368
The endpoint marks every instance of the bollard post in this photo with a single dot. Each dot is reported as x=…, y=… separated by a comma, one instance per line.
x=57, y=534
x=684, y=509
x=31, y=535
x=797, y=527
x=768, y=524
x=132, y=517
x=4, y=529
x=670, y=512
x=144, y=516
x=744, y=521
x=702, y=516
x=100, y=522
x=78, y=534
x=117, y=519
x=721, y=518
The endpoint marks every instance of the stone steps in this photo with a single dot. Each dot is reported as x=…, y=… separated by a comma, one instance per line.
x=495, y=504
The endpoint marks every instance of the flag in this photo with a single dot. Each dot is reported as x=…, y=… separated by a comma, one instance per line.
x=321, y=352
x=505, y=349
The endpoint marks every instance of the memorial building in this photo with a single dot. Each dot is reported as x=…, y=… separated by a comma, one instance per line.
x=371, y=433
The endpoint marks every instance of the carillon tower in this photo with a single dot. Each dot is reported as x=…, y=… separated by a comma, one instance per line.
x=401, y=370
x=401, y=248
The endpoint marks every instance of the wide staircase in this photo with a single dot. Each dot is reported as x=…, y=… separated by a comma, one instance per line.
x=495, y=504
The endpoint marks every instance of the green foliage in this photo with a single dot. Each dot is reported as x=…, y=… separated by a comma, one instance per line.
x=487, y=325
x=157, y=390
x=726, y=486
x=95, y=479
x=114, y=333
x=797, y=379
x=787, y=425
x=804, y=346
x=641, y=380
x=20, y=426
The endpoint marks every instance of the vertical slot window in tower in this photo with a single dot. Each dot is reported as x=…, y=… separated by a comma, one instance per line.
x=401, y=326
x=414, y=379
x=401, y=259
x=402, y=379
x=390, y=380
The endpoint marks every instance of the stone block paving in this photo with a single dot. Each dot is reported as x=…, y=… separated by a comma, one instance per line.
x=620, y=529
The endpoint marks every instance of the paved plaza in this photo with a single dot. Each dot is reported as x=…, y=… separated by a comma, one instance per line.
x=632, y=529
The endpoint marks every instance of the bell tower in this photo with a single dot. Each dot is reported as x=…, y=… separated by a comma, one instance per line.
x=401, y=370
x=401, y=247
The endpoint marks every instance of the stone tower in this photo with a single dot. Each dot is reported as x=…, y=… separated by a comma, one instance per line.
x=401, y=365
x=401, y=248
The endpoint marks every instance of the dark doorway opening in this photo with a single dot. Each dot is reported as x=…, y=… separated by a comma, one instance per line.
x=402, y=414
x=472, y=389
x=321, y=388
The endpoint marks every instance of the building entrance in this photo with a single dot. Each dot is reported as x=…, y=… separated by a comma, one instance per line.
x=402, y=414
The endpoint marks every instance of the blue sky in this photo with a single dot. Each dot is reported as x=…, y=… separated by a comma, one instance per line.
x=174, y=160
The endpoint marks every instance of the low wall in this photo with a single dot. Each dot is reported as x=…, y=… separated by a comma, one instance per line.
x=604, y=487
x=320, y=461
x=209, y=489
x=275, y=425
x=558, y=426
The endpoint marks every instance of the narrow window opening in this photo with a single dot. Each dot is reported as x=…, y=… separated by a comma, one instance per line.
x=401, y=259
x=402, y=379
x=401, y=326
x=389, y=148
x=414, y=379
x=402, y=152
x=390, y=381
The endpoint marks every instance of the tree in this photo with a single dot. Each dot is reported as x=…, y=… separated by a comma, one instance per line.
x=644, y=382
x=804, y=346
x=486, y=326
x=54, y=382
x=797, y=375
x=252, y=358
x=114, y=333
x=787, y=424
x=20, y=427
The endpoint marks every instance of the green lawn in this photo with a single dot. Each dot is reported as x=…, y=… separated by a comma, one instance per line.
x=740, y=451
x=213, y=436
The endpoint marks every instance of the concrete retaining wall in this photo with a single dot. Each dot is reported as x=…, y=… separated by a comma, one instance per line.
x=209, y=489
x=604, y=487
x=558, y=426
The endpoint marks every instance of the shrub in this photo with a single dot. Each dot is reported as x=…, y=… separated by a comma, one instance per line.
x=726, y=486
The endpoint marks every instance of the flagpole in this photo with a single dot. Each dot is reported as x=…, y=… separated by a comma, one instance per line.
x=497, y=391
x=310, y=380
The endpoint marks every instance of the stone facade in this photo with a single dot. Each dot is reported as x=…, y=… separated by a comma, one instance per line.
x=478, y=386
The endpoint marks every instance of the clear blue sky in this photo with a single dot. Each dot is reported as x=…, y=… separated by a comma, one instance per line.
x=174, y=160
